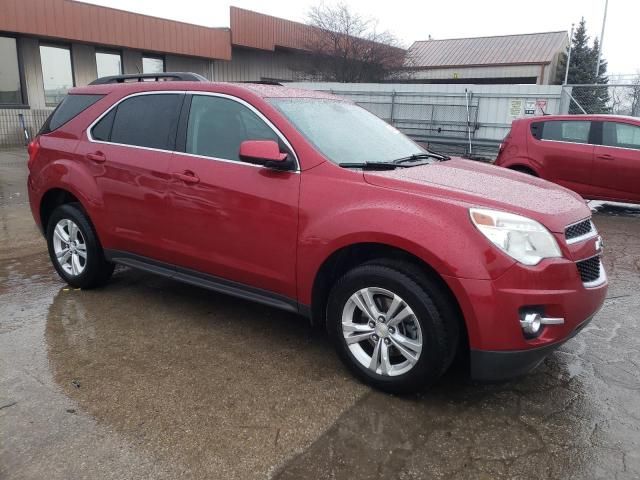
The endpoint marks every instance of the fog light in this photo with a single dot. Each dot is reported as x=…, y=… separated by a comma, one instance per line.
x=531, y=324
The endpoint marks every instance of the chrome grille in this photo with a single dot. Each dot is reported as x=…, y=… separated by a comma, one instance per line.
x=589, y=269
x=578, y=229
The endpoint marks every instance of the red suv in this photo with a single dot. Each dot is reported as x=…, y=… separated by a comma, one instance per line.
x=597, y=156
x=306, y=202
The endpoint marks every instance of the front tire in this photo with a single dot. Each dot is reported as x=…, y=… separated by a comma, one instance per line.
x=388, y=329
x=74, y=248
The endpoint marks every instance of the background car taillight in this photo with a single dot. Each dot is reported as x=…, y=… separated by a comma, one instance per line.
x=33, y=148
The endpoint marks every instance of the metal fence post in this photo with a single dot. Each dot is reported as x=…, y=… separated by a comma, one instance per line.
x=466, y=98
x=393, y=106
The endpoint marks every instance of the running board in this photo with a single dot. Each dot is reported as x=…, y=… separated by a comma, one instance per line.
x=203, y=280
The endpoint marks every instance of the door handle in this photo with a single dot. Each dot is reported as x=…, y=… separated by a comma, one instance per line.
x=97, y=157
x=606, y=156
x=186, y=177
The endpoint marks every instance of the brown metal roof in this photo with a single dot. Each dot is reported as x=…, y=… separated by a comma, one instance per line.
x=257, y=30
x=71, y=20
x=533, y=48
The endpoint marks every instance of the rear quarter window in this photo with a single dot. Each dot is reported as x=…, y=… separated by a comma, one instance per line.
x=70, y=107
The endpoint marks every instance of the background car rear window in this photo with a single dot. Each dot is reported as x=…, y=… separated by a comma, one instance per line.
x=145, y=121
x=621, y=135
x=217, y=126
x=566, y=131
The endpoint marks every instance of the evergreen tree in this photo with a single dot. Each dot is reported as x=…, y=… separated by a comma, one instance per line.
x=582, y=70
x=600, y=96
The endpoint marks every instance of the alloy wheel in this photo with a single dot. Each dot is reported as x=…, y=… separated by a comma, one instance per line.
x=70, y=247
x=381, y=331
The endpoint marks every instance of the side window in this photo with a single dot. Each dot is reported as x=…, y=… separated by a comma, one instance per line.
x=69, y=108
x=536, y=129
x=575, y=131
x=217, y=126
x=102, y=129
x=144, y=121
x=621, y=135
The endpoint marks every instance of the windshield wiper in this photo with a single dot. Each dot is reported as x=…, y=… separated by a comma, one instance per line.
x=373, y=165
x=420, y=156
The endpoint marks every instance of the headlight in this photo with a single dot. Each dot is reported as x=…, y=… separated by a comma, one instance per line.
x=521, y=238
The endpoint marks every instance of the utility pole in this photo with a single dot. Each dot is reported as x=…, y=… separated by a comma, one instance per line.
x=566, y=70
x=604, y=22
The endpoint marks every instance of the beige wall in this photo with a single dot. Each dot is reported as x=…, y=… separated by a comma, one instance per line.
x=479, y=72
x=245, y=65
x=84, y=64
x=252, y=65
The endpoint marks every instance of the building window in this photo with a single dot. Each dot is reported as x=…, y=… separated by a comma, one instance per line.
x=152, y=64
x=108, y=63
x=57, y=73
x=10, y=88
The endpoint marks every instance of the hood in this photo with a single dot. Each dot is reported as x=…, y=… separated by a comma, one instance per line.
x=483, y=185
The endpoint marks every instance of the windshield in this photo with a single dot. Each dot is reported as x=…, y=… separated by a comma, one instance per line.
x=344, y=132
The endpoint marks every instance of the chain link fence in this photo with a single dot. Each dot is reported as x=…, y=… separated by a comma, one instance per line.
x=459, y=120
x=615, y=99
x=18, y=124
x=446, y=124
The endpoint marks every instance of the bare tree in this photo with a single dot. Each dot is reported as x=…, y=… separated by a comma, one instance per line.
x=347, y=47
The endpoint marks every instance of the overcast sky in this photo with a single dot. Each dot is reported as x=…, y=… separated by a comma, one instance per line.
x=413, y=20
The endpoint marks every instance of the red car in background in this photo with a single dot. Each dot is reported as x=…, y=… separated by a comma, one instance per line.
x=597, y=156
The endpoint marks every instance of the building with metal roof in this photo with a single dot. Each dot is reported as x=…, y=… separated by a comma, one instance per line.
x=509, y=59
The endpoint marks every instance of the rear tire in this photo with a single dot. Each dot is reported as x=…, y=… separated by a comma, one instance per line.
x=74, y=248
x=394, y=356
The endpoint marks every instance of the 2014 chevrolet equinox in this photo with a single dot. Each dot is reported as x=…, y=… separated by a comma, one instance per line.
x=304, y=201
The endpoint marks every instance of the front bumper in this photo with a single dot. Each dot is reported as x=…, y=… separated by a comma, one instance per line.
x=497, y=366
x=492, y=310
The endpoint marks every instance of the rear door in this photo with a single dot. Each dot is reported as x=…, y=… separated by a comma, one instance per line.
x=229, y=218
x=563, y=149
x=617, y=162
x=128, y=151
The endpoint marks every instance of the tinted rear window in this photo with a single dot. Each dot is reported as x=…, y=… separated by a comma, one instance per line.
x=147, y=121
x=70, y=107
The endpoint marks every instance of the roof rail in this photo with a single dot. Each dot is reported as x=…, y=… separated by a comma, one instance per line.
x=156, y=77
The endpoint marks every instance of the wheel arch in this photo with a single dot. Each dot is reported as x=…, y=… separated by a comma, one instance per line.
x=53, y=198
x=350, y=256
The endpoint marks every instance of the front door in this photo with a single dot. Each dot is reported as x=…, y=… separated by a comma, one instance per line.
x=229, y=218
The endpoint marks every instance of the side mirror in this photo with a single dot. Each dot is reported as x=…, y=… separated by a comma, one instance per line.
x=265, y=152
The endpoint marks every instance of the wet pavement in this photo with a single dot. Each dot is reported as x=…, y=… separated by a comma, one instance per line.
x=148, y=378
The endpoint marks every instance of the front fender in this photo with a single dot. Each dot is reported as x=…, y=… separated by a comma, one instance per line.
x=434, y=229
